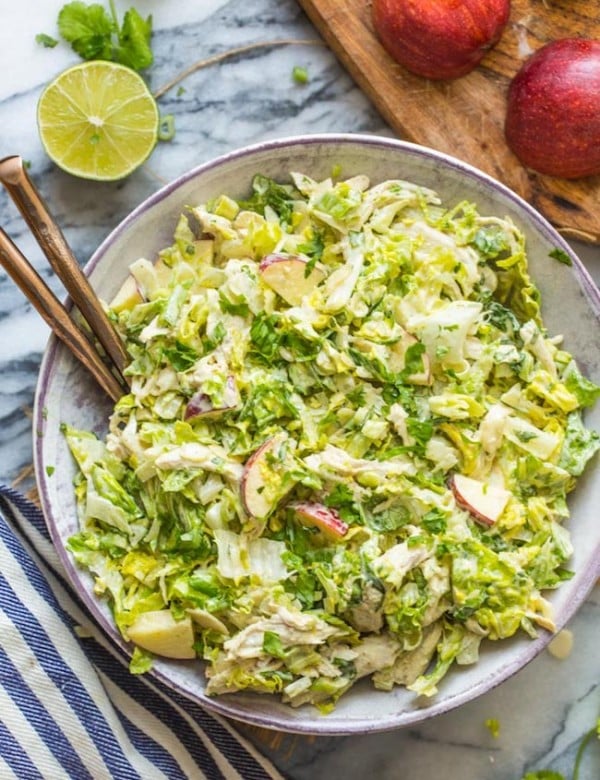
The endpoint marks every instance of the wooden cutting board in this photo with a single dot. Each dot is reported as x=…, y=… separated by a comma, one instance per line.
x=465, y=117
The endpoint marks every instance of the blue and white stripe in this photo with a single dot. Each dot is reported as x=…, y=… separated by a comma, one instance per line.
x=69, y=708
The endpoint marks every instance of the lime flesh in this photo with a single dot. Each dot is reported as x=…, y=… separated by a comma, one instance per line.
x=98, y=120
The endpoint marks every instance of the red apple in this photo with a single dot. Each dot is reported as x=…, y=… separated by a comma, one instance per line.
x=262, y=483
x=553, y=112
x=128, y=296
x=286, y=274
x=323, y=517
x=201, y=405
x=439, y=39
x=484, y=501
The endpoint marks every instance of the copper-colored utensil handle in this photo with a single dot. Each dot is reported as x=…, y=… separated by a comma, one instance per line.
x=14, y=177
x=44, y=300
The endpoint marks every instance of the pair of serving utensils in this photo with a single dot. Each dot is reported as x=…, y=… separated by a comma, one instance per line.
x=96, y=344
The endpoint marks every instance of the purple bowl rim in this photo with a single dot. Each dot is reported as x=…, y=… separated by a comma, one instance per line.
x=323, y=727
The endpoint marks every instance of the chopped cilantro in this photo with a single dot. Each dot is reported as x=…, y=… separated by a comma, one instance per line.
x=267, y=192
x=272, y=644
x=46, y=40
x=434, y=521
x=181, y=356
x=265, y=337
x=491, y=241
x=313, y=247
x=95, y=34
x=561, y=256
x=240, y=309
x=421, y=430
x=501, y=317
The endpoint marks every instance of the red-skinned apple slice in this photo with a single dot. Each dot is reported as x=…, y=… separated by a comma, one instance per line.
x=201, y=405
x=286, y=275
x=262, y=481
x=484, y=501
x=323, y=517
x=128, y=296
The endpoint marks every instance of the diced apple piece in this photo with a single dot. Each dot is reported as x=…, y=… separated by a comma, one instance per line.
x=158, y=632
x=203, y=252
x=205, y=619
x=286, y=274
x=163, y=273
x=484, y=501
x=262, y=481
x=127, y=297
x=323, y=517
x=398, y=360
x=201, y=405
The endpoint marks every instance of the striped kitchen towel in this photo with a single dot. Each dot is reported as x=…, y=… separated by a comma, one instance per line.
x=69, y=708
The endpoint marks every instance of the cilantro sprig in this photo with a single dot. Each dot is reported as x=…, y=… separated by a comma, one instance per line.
x=95, y=33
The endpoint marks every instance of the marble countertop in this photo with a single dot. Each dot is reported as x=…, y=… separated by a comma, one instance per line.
x=543, y=711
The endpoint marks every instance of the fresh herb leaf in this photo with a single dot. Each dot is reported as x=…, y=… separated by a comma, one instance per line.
x=217, y=337
x=313, y=248
x=181, y=356
x=491, y=241
x=413, y=361
x=434, y=521
x=46, y=40
x=389, y=519
x=272, y=644
x=501, y=317
x=95, y=34
x=237, y=309
x=267, y=403
x=269, y=193
x=88, y=28
x=265, y=337
x=421, y=430
x=526, y=436
x=561, y=256
x=357, y=396
x=134, y=43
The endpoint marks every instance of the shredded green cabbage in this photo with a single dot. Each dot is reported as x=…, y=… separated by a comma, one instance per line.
x=313, y=371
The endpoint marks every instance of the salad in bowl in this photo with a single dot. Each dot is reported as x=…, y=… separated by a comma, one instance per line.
x=352, y=471
x=347, y=446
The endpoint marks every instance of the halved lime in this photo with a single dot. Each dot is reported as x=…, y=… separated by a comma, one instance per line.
x=98, y=120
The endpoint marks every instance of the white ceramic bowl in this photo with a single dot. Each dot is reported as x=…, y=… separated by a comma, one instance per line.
x=571, y=306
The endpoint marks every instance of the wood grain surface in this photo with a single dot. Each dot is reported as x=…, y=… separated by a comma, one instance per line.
x=465, y=117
